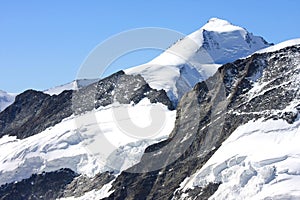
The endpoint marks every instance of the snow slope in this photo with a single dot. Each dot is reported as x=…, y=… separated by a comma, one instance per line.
x=74, y=85
x=279, y=46
x=69, y=144
x=6, y=99
x=260, y=159
x=198, y=56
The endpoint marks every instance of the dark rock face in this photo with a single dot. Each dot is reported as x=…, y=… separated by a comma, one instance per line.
x=199, y=193
x=33, y=111
x=187, y=145
x=207, y=115
x=53, y=185
x=82, y=184
x=46, y=186
x=129, y=88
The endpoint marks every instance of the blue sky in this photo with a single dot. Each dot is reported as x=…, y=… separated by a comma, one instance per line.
x=43, y=43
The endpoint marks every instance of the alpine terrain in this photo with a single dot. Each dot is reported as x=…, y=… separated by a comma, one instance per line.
x=229, y=107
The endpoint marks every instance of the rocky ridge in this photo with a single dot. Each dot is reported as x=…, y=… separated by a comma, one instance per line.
x=34, y=111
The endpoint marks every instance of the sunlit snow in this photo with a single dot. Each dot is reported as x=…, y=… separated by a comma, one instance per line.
x=67, y=144
x=199, y=54
x=260, y=159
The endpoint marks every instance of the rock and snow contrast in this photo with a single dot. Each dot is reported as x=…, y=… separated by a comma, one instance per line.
x=6, y=99
x=198, y=56
x=231, y=112
x=259, y=160
x=66, y=144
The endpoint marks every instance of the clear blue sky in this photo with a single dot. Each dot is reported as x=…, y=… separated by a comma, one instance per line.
x=43, y=43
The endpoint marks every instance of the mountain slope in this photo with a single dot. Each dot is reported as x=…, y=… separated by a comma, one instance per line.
x=260, y=159
x=33, y=111
x=198, y=56
x=40, y=132
x=209, y=150
x=263, y=87
x=281, y=45
x=6, y=99
x=266, y=164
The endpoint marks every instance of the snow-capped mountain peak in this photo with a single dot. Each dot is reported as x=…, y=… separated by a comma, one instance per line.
x=220, y=25
x=236, y=135
x=216, y=43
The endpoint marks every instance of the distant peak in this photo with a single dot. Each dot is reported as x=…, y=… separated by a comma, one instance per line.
x=2, y=92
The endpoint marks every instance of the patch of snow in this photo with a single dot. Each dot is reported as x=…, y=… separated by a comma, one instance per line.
x=279, y=46
x=74, y=85
x=259, y=160
x=175, y=80
x=260, y=86
x=94, y=194
x=70, y=144
x=59, y=89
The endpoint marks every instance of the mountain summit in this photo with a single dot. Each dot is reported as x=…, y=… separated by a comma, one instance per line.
x=197, y=57
x=233, y=136
x=216, y=24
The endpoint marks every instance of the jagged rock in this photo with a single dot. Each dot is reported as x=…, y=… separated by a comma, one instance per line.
x=33, y=111
x=82, y=184
x=53, y=185
x=199, y=193
x=47, y=186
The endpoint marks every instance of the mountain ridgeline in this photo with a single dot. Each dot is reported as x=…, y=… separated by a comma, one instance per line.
x=212, y=99
x=34, y=111
x=216, y=106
